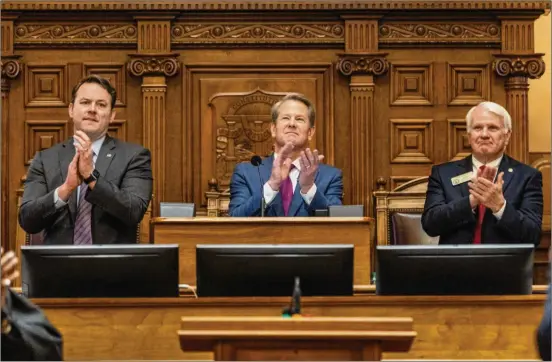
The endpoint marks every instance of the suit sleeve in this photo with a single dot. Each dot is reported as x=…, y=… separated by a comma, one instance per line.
x=32, y=336
x=130, y=201
x=439, y=216
x=333, y=195
x=524, y=224
x=38, y=210
x=243, y=202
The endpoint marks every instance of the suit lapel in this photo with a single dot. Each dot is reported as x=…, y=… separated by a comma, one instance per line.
x=506, y=166
x=66, y=155
x=108, y=152
x=463, y=167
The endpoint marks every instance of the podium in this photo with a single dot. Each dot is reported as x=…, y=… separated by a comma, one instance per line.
x=188, y=232
x=296, y=339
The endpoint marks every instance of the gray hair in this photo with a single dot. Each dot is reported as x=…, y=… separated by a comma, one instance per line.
x=493, y=108
x=275, y=112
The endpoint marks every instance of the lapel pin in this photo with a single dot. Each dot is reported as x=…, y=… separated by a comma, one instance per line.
x=109, y=155
x=510, y=170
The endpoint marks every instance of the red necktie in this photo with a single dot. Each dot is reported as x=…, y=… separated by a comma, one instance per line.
x=480, y=216
x=286, y=189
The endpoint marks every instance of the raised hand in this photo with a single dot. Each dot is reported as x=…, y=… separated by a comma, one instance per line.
x=281, y=167
x=488, y=193
x=73, y=179
x=309, y=165
x=84, y=148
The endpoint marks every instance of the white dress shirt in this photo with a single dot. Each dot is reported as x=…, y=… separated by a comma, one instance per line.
x=270, y=194
x=495, y=163
x=96, y=146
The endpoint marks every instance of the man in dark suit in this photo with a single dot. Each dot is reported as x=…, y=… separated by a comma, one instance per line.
x=487, y=197
x=296, y=183
x=27, y=335
x=91, y=188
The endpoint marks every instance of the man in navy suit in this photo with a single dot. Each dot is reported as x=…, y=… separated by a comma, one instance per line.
x=487, y=197
x=295, y=182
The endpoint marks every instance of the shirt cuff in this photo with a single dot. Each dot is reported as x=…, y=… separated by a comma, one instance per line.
x=499, y=213
x=59, y=203
x=268, y=193
x=309, y=195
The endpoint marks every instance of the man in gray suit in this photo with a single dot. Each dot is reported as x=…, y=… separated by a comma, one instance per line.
x=92, y=188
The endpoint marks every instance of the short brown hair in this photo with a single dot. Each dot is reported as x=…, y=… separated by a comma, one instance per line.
x=102, y=82
x=295, y=97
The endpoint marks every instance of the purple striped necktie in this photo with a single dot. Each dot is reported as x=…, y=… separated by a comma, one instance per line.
x=83, y=223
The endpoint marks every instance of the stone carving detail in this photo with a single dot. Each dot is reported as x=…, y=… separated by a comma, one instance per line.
x=151, y=65
x=363, y=64
x=531, y=66
x=246, y=131
x=435, y=33
x=75, y=33
x=258, y=33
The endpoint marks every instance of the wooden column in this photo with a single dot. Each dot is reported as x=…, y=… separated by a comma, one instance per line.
x=362, y=63
x=10, y=69
x=154, y=63
x=518, y=63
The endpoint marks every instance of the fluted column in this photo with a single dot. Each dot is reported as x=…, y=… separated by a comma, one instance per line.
x=10, y=69
x=362, y=63
x=518, y=63
x=154, y=63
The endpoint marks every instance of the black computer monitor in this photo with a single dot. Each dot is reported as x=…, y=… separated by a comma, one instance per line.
x=270, y=270
x=67, y=271
x=454, y=269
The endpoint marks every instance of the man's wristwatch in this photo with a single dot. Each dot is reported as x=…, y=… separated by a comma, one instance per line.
x=93, y=177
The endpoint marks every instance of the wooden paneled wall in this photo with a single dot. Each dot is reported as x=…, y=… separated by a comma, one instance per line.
x=391, y=81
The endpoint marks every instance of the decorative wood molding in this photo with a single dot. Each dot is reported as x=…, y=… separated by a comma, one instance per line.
x=361, y=35
x=362, y=89
x=371, y=64
x=468, y=84
x=411, y=84
x=411, y=140
x=518, y=36
x=75, y=34
x=154, y=35
x=439, y=33
x=154, y=89
x=10, y=68
x=276, y=5
x=257, y=33
x=161, y=64
x=519, y=65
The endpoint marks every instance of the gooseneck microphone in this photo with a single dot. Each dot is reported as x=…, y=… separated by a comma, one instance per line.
x=257, y=161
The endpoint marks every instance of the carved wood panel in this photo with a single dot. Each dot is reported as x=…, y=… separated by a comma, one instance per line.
x=392, y=78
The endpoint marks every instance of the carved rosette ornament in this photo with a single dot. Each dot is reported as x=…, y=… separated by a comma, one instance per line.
x=166, y=65
x=363, y=64
x=531, y=66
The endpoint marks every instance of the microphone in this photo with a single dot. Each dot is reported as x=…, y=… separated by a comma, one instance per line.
x=257, y=161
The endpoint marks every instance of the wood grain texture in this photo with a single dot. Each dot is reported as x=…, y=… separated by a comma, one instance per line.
x=461, y=327
x=301, y=339
x=187, y=233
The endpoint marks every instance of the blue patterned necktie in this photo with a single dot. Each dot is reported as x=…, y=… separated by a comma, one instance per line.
x=83, y=223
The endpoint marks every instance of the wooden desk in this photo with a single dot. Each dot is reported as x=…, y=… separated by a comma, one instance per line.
x=296, y=339
x=447, y=327
x=188, y=232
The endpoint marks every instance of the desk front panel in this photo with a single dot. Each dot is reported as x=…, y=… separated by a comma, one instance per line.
x=447, y=327
x=300, y=230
